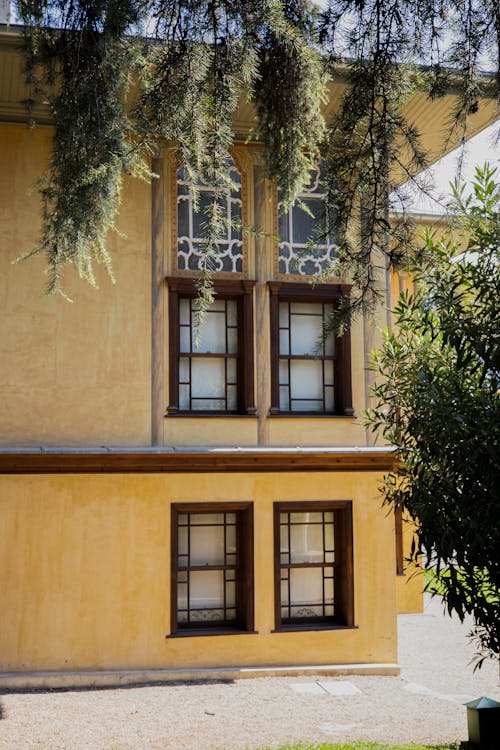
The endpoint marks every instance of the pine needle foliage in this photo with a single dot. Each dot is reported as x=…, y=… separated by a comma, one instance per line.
x=438, y=402
x=188, y=63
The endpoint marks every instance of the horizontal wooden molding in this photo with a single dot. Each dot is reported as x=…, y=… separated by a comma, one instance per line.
x=144, y=461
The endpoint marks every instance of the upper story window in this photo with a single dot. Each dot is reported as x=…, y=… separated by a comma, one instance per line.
x=192, y=225
x=310, y=374
x=211, y=369
x=305, y=247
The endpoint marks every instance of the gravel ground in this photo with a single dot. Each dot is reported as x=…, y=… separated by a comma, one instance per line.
x=423, y=705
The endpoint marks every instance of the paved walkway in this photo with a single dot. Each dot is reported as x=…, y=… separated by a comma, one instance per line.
x=423, y=705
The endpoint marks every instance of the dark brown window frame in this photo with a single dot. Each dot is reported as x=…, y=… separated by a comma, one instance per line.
x=240, y=290
x=244, y=569
x=344, y=567
x=317, y=293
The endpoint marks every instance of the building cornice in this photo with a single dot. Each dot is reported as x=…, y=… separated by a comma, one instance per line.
x=151, y=460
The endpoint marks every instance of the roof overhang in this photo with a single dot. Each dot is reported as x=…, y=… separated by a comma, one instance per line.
x=432, y=118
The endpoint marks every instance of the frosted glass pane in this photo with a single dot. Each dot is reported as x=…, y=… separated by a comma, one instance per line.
x=212, y=336
x=306, y=378
x=328, y=589
x=184, y=308
x=232, y=340
x=305, y=333
x=184, y=370
x=329, y=611
x=306, y=610
x=230, y=539
x=232, y=398
x=183, y=397
x=283, y=372
x=306, y=308
x=185, y=339
x=284, y=539
x=183, y=541
x=315, y=406
x=207, y=378
x=306, y=585
x=328, y=370
x=232, y=318
x=329, y=543
x=209, y=405
x=307, y=543
x=284, y=592
x=329, y=345
x=284, y=322
x=182, y=596
x=307, y=517
x=207, y=545
x=230, y=594
x=329, y=398
x=231, y=370
x=206, y=519
x=284, y=400
x=284, y=346
x=206, y=589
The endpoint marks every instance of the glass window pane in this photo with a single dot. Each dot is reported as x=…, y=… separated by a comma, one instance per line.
x=182, y=596
x=206, y=589
x=183, y=397
x=230, y=594
x=232, y=340
x=306, y=542
x=184, y=311
x=232, y=318
x=284, y=320
x=230, y=539
x=206, y=519
x=329, y=543
x=284, y=398
x=284, y=343
x=231, y=371
x=183, y=540
x=185, y=339
x=207, y=545
x=283, y=377
x=208, y=404
x=313, y=406
x=328, y=588
x=306, y=379
x=306, y=517
x=184, y=370
x=305, y=226
x=329, y=398
x=306, y=332
x=328, y=370
x=284, y=538
x=283, y=231
x=208, y=378
x=232, y=398
x=284, y=592
x=212, y=333
x=306, y=586
x=183, y=217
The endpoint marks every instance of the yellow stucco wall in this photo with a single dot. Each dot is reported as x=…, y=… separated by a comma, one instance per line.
x=71, y=374
x=409, y=587
x=85, y=572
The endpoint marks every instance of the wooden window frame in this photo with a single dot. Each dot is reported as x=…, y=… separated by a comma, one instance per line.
x=244, y=570
x=343, y=565
x=317, y=293
x=240, y=290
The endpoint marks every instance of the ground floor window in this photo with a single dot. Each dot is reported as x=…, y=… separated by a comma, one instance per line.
x=212, y=565
x=313, y=564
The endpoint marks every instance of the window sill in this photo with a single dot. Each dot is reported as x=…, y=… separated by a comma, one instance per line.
x=302, y=627
x=308, y=415
x=210, y=414
x=208, y=632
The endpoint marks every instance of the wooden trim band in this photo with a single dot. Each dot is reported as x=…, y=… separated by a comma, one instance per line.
x=173, y=461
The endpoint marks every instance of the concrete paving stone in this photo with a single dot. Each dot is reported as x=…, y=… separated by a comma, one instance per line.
x=339, y=687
